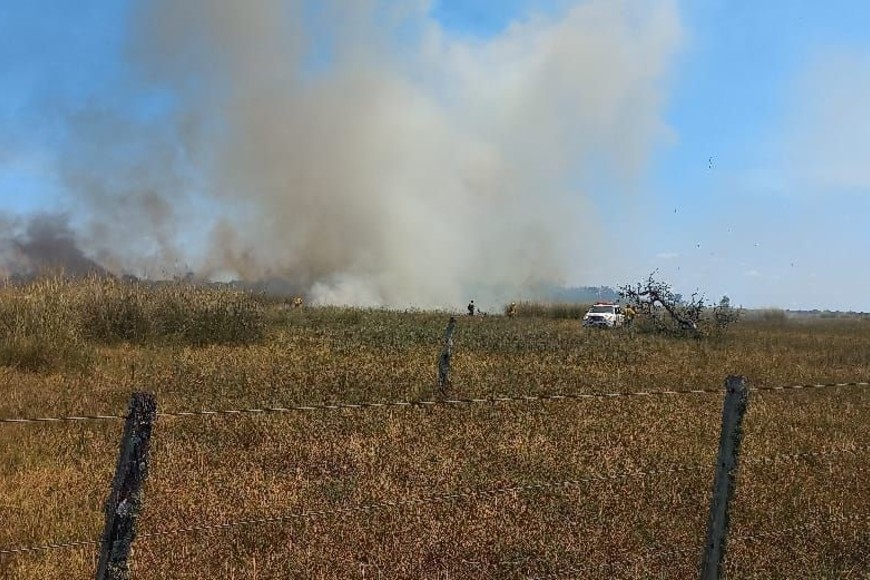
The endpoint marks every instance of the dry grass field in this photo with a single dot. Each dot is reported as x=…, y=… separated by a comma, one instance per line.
x=640, y=467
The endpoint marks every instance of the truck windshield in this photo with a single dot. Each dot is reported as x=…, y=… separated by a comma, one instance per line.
x=601, y=310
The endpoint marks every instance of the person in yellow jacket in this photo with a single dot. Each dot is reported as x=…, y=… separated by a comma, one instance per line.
x=512, y=310
x=629, y=313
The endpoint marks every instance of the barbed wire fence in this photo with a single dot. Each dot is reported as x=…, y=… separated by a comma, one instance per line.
x=426, y=403
x=126, y=493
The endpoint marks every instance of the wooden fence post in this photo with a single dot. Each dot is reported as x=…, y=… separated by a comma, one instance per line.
x=446, y=354
x=125, y=497
x=723, y=485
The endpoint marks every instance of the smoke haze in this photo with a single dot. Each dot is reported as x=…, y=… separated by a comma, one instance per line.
x=41, y=243
x=358, y=149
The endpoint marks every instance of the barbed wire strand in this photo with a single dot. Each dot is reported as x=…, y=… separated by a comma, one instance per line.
x=53, y=546
x=426, y=403
x=811, y=386
x=68, y=418
x=440, y=402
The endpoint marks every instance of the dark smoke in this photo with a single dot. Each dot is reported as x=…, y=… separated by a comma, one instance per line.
x=44, y=243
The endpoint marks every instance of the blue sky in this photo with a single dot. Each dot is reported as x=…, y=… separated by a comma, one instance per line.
x=760, y=188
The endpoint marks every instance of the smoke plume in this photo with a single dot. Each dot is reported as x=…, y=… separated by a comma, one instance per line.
x=42, y=243
x=361, y=151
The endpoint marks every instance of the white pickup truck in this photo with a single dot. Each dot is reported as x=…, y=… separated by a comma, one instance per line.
x=604, y=314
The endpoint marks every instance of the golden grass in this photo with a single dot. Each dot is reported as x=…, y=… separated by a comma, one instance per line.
x=52, y=324
x=556, y=310
x=54, y=477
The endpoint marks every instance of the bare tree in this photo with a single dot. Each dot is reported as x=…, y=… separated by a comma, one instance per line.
x=662, y=310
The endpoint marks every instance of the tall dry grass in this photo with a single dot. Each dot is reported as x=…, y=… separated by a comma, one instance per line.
x=39, y=330
x=555, y=310
x=54, y=324
x=54, y=477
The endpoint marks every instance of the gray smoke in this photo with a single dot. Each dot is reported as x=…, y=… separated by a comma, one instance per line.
x=362, y=152
x=40, y=244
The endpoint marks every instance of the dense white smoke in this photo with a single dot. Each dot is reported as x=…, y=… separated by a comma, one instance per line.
x=361, y=151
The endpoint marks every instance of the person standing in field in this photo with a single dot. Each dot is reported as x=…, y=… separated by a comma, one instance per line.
x=471, y=308
x=630, y=313
x=512, y=310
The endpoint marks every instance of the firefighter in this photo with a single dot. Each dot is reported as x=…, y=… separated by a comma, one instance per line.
x=630, y=313
x=297, y=302
x=512, y=310
x=471, y=308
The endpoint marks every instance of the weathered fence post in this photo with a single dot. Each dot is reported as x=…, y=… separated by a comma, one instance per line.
x=446, y=354
x=125, y=497
x=723, y=484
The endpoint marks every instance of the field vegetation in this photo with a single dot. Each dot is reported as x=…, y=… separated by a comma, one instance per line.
x=555, y=310
x=55, y=324
x=641, y=466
